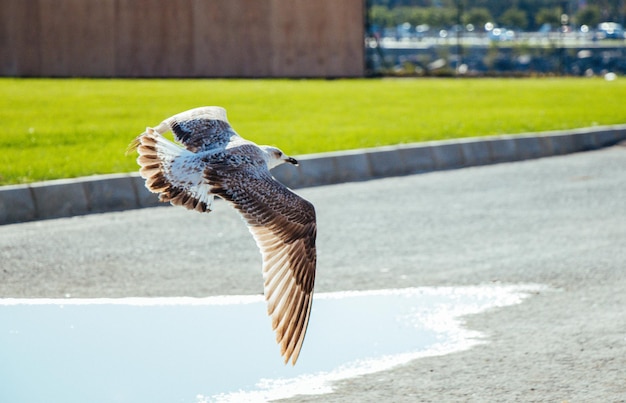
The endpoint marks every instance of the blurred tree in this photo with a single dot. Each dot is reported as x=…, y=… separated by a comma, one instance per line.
x=550, y=16
x=412, y=15
x=478, y=16
x=442, y=13
x=441, y=17
x=589, y=16
x=514, y=18
x=381, y=16
x=496, y=8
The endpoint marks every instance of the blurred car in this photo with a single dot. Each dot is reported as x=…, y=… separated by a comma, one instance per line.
x=610, y=30
x=501, y=34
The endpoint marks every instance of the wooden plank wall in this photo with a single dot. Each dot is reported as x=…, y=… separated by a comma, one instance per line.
x=182, y=38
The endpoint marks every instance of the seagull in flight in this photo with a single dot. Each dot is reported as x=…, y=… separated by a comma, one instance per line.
x=215, y=161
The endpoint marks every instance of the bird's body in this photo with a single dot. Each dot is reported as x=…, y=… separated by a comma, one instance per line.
x=216, y=161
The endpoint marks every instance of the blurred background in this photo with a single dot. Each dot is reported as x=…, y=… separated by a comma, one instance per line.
x=304, y=38
x=491, y=37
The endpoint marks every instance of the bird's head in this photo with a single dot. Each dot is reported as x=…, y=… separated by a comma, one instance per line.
x=276, y=157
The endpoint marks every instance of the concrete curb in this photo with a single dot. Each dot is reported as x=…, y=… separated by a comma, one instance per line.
x=103, y=193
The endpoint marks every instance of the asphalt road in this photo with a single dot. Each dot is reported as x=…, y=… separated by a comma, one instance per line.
x=557, y=221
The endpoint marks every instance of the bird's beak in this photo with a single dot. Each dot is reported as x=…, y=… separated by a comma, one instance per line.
x=292, y=161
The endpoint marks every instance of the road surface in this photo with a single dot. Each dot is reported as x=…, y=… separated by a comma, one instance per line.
x=557, y=221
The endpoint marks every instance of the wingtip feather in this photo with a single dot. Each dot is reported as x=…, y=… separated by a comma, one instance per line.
x=132, y=147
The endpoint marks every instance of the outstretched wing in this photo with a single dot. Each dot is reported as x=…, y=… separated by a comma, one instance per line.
x=284, y=228
x=200, y=129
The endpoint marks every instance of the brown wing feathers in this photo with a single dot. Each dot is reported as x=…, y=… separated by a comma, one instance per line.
x=289, y=299
x=283, y=225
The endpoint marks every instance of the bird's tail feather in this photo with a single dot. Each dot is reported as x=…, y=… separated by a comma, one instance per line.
x=156, y=158
x=155, y=154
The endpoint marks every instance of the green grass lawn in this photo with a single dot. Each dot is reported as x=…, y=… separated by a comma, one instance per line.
x=57, y=128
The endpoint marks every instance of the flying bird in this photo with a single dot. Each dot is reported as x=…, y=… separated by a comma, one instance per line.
x=216, y=161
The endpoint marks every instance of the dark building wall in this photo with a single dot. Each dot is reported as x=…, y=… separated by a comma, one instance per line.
x=182, y=38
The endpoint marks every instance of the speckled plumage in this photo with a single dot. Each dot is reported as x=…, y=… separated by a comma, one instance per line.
x=215, y=160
